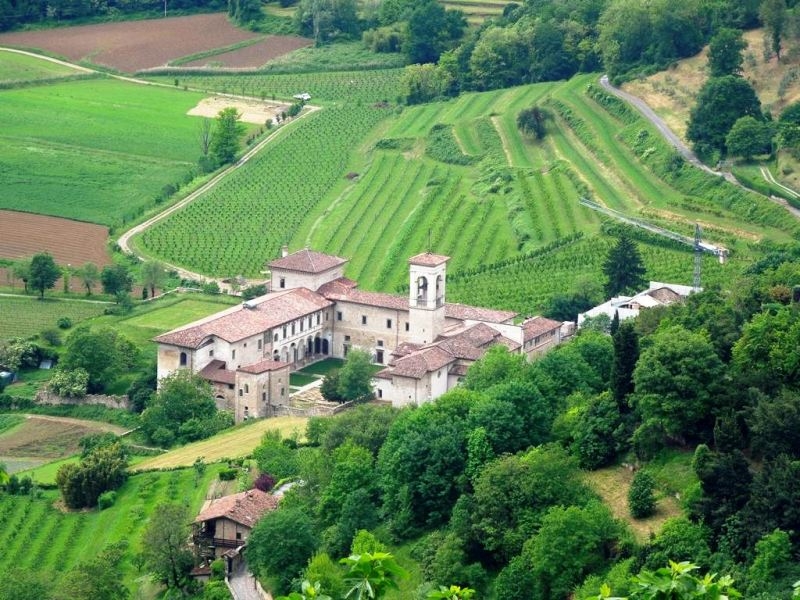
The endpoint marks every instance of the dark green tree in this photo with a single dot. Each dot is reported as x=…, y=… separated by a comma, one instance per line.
x=116, y=279
x=774, y=16
x=641, y=496
x=599, y=434
x=43, y=273
x=623, y=267
x=274, y=457
x=355, y=377
x=775, y=426
x=101, y=352
x=720, y=103
x=725, y=482
x=165, y=547
x=26, y=584
x=431, y=31
x=679, y=539
x=626, y=354
x=749, y=137
x=725, y=52
x=227, y=132
x=153, y=276
x=101, y=470
x=531, y=121
x=95, y=579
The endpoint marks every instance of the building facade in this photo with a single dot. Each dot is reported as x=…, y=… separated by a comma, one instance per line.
x=313, y=311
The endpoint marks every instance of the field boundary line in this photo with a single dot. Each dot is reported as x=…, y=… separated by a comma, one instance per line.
x=50, y=59
x=498, y=126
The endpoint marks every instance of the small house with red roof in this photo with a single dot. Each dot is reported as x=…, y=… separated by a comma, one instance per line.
x=313, y=311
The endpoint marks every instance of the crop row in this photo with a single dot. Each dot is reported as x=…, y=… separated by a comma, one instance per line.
x=343, y=86
x=242, y=222
x=22, y=317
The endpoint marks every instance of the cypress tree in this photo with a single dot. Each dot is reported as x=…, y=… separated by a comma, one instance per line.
x=626, y=353
x=623, y=267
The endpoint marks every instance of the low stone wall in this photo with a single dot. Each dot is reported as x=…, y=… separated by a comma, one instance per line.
x=44, y=397
x=315, y=410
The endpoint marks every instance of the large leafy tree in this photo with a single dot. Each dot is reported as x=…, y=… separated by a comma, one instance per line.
x=227, y=131
x=164, y=545
x=623, y=267
x=626, y=354
x=720, y=103
x=725, y=52
x=43, y=273
x=355, y=377
x=774, y=16
x=101, y=470
x=116, y=279
x=101, y=352
x=678, y=382
x=749, y=137
x=431, y=31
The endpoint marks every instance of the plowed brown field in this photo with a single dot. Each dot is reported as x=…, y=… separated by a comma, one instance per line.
x=256, y=55
x=70, y=242
x=133, y=45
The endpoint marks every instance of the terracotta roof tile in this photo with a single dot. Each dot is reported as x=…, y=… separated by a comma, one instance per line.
x=240, y=322
x=307, y=261
x=537, y=326
x=357, y=296
x=215, y=371
x=338, y=286
x=476, y=313
x=423, y=361
x=265, y=366
x=244, y=508
x=426, y=259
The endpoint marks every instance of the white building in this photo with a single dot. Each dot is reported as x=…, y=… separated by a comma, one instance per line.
x=313, y=311
x=627, y=307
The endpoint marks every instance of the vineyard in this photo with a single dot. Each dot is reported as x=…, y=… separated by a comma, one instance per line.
x=97, y=165
x=23, y=317
x=36, y=536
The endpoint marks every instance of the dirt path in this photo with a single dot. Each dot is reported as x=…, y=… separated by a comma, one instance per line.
x=52, y=60
x=99, y=425
x=678, y=144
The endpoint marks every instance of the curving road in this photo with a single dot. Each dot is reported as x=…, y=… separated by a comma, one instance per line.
x=682, y=148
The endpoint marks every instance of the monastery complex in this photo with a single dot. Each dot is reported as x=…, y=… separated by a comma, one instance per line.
x=313, y=311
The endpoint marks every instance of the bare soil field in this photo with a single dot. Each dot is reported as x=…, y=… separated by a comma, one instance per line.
x=70, y=242
x=49, y=437
x=256, y=55
x=251, y=111
x=134, y=45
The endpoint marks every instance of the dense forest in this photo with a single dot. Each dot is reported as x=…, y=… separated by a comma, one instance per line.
x=488, y=485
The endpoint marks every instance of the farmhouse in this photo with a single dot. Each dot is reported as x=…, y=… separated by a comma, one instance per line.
x=627, y=307
x=313, y=311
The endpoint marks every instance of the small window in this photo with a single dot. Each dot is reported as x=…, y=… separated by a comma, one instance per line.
x=239, y=533
x=233, y=354
x=284, y=332
x=263, y=396
x=246, y=388
x=230, y=386
x=439, y=373
x=338, y=315
x=245, y=344
x=275, y=339
x=407, y=326
x=184, y=359
x=301, y=324
x=388, y=323
x=240, y=392
x=282, y=282
x=380, y=393
x=311, y=322
x=363, y=319
x=317, y=318
x=292, y=328
x=380, y=343
x=211, y=352
x=283, y=392
x=347, y=338
x=259, y=344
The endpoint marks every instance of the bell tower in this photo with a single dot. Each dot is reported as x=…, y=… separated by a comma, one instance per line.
x=427, y=277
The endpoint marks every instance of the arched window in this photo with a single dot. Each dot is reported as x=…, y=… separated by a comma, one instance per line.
x=184, y=359
x=422, y=289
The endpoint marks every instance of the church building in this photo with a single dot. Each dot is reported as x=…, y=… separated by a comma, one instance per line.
x=313, y=311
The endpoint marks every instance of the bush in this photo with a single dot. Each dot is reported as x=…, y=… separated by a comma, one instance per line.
x=106, y=499
x=69, y=384
x=227, y=474
x=265, y=482
x=64, y=323
x=641, y=499
x=52, y=337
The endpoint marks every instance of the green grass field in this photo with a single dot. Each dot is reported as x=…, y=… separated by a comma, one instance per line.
x=23, y=317
x=16, y=67
x=115, y=146
x=39, y=537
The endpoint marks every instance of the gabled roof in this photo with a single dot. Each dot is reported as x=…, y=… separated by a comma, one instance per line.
x=265, y=366
x=215, y=371
x=476, y=313
x=536, y=326
x=244, y=508
x=246, y=320
x=426, y=259
x=307, y=261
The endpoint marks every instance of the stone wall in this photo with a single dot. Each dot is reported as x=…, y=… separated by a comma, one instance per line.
x=44, y=397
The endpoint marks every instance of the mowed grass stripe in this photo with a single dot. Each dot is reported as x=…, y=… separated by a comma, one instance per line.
x=22, y=67
x=240, y=441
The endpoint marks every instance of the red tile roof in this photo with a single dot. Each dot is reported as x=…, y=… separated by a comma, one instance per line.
x=244, y=508
x=265, y=366
x=423, y=361
x=537, y=326
x=476, y=313
x=307, y=261
x=215, y=371
x=240, y=322
x=338, y=286
x=426, y=259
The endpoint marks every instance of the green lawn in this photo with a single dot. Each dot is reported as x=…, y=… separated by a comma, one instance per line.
x=117, y=144
x=322, y=367
x=23, y=317
x=16, y=67
x=300, y=379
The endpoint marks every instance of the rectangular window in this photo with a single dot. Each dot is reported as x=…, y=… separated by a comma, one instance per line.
x=246, y=388
x=282, y=282
x=283, y=391
x=388, y=323
x=230, y=386
x=311, y=322
x=317, y=318
x=380, y=343
x=284, y=332
x=211, y=352
x=347, y=338
x=240, y=392
x=233, y=354
x=407, y=327
x=292, y=328
x=380, y=393
x=338, y=315
x=263, y=396
x=259, y=344
x=301, y=324
x=363, y=319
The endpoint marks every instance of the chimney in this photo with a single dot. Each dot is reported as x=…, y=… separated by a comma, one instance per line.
x=284, y=250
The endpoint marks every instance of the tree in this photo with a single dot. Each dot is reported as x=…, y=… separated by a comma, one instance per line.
x=69, y=384
x=101, y=470
x=21, y=269
x=274, y=457
x=371, y=575
x=116, y=279
x=431, y=31
x=599, y=433
x=43, y=273
x=164, y=545
x=749, y=137
x=26, y=584
x=280, y=545
x=183, y=409
x=89, y=275
x=641, y=499
x=725, y=52
x=721, y=101
x=679, y=539
x=355, y=377
x=531, y=121
x=677, y=583
x=623, y=267
x=423, y=83
x=153, y=275
x=626, y=354
x=227, y=132
x=95, y=579
x=101, y=352
x=678, y=381
x=205, y=135
x=774, y=16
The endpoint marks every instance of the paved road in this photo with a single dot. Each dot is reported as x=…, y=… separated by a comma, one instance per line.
x=678, y=144
x=243, y=585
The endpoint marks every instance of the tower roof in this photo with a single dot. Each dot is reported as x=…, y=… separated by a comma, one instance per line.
x=426, y=259
x=307, y=261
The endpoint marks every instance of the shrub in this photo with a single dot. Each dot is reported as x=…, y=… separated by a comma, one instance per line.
x=265, y=482
x=69, y=384
x=106, y=499
x=64, y=323
x=641, y=499
x=227, y=474
x=52, y=337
